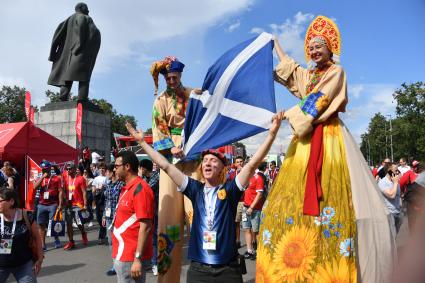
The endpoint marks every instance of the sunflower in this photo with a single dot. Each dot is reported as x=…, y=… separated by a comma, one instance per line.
x=294, y=255
x=162, y=243
x=264, y=270
x=341, y=272
x=321, y=103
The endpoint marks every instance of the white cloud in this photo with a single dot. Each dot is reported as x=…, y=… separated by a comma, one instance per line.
x=355, y=90
x=27, y=28
x=291, y=34
x=280, y=144
x=256, y=30
x=233, y=26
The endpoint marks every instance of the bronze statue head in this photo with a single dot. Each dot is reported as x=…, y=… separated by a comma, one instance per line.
x=82, y=8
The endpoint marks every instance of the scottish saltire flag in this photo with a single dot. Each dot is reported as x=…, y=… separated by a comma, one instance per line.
x=238, y=99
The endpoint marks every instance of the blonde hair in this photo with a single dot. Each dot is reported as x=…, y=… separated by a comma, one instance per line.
x=222, y=177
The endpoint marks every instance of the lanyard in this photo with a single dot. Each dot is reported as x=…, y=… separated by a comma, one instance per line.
x=48, y=184
x=210, y=198
x=13, y=226
x=73, y=183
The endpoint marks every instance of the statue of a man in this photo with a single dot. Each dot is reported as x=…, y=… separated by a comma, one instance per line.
x=75, y=45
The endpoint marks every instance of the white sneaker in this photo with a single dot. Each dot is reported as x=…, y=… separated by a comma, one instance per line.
x=90, y=224
x=155, y=270
x=74, y=225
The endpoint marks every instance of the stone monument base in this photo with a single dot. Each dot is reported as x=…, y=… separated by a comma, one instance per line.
x=58, y=119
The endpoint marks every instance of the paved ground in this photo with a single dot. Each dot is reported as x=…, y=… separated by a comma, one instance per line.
x=89, y=264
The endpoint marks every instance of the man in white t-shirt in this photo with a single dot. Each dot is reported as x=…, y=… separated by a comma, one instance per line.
x=403, y=167
x=95, y=157
x=98, y=186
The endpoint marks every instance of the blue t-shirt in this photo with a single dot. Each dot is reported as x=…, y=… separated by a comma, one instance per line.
x=224, y=220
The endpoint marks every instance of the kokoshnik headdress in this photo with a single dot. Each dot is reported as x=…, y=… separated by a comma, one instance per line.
x=168, y=65
x=323, y=30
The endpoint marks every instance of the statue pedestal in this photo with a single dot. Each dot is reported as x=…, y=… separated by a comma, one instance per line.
x=58, y=119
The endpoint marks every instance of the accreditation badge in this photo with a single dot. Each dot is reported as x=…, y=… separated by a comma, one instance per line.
x=209, y=240
x=46, y=195
x=6, y=246
x=71, y=191
x=108, y=212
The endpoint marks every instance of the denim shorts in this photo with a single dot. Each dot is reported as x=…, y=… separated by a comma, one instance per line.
x=22, y=273
x=45, y=213
x=251, y=221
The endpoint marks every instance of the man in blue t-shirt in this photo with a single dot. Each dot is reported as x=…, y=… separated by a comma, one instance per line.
x=212, y=247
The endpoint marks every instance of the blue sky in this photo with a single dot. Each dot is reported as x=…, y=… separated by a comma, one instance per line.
x=382, y=46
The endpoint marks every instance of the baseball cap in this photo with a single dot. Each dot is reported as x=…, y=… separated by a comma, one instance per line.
x=45, y=164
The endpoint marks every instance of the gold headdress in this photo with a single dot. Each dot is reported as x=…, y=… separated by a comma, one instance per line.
x=324, y=27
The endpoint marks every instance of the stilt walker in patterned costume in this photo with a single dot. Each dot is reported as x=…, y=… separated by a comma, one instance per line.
x=169, y=112
x=325, y=219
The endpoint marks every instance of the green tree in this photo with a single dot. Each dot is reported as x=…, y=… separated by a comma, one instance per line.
x=374, y=142
x=408, y=131
x=409, y=135
x=12, y=104
x=117, y=119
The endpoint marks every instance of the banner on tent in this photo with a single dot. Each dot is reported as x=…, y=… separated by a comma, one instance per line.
x=33, y=173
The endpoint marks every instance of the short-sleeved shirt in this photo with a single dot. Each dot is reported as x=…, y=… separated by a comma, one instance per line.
x=74, y=190
x=136, y=202
x=256, y=184
x=51, y=185
x=392, y=204
x=223, y=222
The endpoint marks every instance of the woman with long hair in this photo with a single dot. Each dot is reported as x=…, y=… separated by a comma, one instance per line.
x=20, y=244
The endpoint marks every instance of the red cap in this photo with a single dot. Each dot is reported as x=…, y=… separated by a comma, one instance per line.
x=415, y=163
x=216, y=153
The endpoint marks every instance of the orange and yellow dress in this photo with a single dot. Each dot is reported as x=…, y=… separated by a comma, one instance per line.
x=348, y=238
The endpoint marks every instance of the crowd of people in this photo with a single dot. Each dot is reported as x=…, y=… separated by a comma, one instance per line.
x=399, y=184
x=323, y=217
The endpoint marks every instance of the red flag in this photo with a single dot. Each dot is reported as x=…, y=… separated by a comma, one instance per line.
x=27, y=104
x=33, y=174
x=78, y=121
x=31, y=118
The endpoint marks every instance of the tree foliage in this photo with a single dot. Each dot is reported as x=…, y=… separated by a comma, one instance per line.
x=12, y=104
x=407, y=131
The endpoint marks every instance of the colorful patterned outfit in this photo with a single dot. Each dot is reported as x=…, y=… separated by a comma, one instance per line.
x=168, y=118
x=324, y=219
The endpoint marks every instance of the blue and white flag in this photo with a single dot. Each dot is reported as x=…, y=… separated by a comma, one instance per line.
x=238, y=99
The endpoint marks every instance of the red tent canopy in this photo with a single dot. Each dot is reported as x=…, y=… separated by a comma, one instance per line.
x=20, y=139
